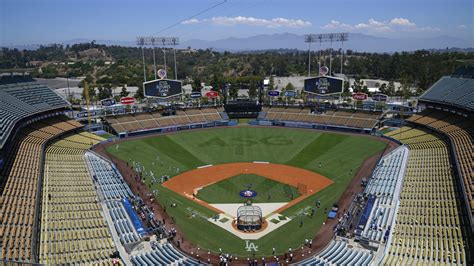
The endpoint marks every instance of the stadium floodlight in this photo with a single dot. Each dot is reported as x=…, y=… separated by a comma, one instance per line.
x=325, y=37
x=141, y=43
x=153, y=41
x=159, y=41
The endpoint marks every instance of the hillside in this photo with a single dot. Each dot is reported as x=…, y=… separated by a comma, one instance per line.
x=107, y=66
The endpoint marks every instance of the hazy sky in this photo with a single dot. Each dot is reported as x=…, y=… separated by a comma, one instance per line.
x=48, y=21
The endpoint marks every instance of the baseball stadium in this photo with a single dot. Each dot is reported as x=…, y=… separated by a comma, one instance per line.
x=161, y=151
x=316, y=184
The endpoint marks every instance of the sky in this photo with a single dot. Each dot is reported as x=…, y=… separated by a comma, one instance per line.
x=56, y=21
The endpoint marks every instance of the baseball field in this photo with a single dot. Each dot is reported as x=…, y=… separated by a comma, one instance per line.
x=332, y=156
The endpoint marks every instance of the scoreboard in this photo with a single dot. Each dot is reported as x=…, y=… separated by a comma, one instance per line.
x=323, y=85
x=162, y=88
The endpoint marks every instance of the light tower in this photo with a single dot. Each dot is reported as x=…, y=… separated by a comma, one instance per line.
x=153, y=41
x=325, y=37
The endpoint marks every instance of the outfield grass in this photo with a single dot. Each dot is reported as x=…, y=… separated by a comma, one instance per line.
x=340, y=157
x=227, y=191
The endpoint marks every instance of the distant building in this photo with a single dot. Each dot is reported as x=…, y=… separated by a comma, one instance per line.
x=34, y=63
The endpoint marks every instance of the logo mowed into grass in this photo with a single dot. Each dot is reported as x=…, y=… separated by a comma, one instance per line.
x=227, y=191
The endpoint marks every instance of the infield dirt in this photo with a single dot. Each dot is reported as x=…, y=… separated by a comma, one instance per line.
x=187, y=183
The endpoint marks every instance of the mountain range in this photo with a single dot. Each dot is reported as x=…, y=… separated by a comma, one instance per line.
x=357, y=42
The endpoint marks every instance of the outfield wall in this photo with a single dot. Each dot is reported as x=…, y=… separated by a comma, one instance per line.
x=310, y=126
x=176, y=128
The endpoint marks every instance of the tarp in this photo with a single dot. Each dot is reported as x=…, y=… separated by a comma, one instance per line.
x=368, y=209
x=137, y=223
x=332, y=214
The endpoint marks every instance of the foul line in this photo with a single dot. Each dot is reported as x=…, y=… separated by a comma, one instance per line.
x=204, y=166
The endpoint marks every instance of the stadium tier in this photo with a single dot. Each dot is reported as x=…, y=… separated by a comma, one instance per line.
x=460, y=130
x=112, y=189
x=340, y=253
x=162, y=255
x=73, y=228
x=385, y=185
x=453, y=91
x=108, y=179
x=21, y=98
x=430, y=226
x=377, y=216
x=64, y=204
x=20, y=194
x=344, y=118
x=124, y=219
x=148, y=121
x=122, y=224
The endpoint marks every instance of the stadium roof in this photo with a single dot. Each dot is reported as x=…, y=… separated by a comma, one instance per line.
x=453, y=91
x=21, y=97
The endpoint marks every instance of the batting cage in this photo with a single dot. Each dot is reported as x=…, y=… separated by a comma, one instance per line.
x=249, y=218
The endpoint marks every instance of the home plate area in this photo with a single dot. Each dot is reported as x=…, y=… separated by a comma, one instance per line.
x=227, y=218
x=248, y=198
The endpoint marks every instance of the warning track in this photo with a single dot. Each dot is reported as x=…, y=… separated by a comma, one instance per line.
x=187, y=183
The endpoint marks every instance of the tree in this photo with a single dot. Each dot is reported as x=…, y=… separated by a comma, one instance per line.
x=104, y=93
x=233, y=92
x=100, y=93
x=383, y=88
x=124, y=92
x=139, y=94
x=92, y=93
x=346, y=92
x=216, y=83
x=405, y=91
x=391, y=88
x=377, y=85
x=365, y=89
x=357, y=86
x=252, y=90
x=196, y=85
x=271, y=84
x=290, y=87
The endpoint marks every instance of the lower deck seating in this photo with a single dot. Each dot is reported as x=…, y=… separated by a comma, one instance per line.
x=145, y=121
x=162, y=255
x=337, y=118
x=73, y=227
x=124, y=228
x=385, y=184
x=108, y=179
x=18, y=199
x=339, y=253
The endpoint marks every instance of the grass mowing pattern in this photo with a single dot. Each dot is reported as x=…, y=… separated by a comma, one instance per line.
x=227, y=191
x=166, y=154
